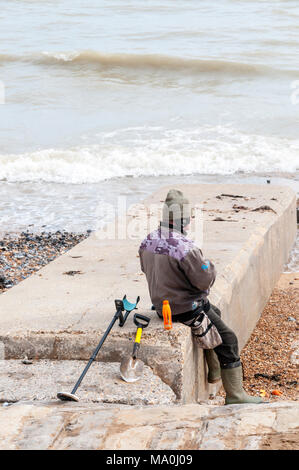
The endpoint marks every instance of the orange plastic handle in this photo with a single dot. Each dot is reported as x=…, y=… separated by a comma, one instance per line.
x=166, y=311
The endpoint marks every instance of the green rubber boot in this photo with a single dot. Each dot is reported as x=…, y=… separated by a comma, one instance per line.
x=232, y=380
x=214, y=371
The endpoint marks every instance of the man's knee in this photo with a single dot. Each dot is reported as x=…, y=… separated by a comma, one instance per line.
x=231, y=338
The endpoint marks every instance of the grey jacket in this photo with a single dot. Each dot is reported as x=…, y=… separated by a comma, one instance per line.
x=175, y=270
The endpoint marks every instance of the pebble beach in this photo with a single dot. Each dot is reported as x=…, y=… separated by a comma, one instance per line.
x=24, y=254
x=271, y=356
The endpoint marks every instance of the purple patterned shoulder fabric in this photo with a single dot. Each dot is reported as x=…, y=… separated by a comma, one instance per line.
x=167, y=242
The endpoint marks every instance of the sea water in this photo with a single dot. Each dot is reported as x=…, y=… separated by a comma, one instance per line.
x=104, y=98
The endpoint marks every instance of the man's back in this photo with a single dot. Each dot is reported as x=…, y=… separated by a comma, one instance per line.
x=175, y=270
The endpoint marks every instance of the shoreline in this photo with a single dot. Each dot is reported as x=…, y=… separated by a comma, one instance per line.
x=49, y=207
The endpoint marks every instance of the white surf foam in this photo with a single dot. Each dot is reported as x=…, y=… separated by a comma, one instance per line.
x=155, y=151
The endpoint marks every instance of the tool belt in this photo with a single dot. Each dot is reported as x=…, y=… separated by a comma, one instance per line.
x=192, y=314
x=203, y=330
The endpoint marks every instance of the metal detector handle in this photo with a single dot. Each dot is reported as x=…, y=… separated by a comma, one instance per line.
x=141, y=321
x=122, y=305
x=119, y=311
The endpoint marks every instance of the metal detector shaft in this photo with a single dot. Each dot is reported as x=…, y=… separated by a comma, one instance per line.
x=121, y=305
x=95, y=353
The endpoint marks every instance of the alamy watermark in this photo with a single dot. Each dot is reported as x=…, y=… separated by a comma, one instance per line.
x=295, y=95
x=122, y=222
x=2, y=92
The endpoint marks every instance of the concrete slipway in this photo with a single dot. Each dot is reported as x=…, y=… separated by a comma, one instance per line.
x=248, y=233
x=73, y=426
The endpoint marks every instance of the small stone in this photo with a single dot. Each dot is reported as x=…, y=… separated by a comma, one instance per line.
x=26, y=361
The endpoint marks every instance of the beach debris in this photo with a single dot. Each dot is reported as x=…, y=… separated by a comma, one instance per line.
x=230, y=195
x=220, y=219
x=276, y=393
x=2, y=281
x=292, y=383
x=72, y=273
x=275, y=377
x=234, y=196
x=26, y=361
x=263, y=393
x=263, y=209
x=241, y=208
x=264, y=376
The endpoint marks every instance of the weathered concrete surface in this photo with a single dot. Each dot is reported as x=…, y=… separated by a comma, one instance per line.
x=77, y=426
x=103, y=384
x=56, y=316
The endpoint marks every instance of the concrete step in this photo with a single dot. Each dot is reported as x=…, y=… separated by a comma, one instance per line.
x=69, y=426
x=42, y=380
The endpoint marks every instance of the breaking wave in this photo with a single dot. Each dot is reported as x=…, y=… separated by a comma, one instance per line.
x=218, y=150
x=147, y=61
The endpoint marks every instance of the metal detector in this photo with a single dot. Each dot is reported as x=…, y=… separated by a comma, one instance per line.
x=121, y=306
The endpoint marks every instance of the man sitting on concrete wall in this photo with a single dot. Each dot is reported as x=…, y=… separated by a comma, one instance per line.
x=176, y=271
